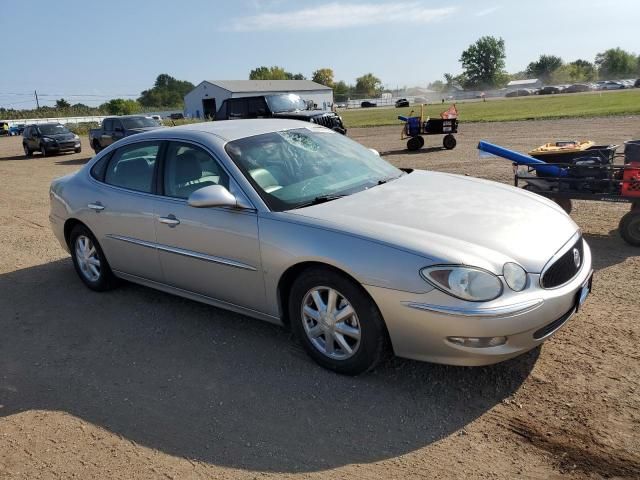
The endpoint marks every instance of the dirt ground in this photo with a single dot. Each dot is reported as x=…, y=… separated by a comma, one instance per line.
x=140, y=384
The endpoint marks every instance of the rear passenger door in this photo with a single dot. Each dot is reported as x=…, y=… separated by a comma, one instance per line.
x=121, y=208
x=210, y=251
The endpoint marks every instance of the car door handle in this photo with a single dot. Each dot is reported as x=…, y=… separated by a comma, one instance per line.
x=96, y=206
x=170, y=220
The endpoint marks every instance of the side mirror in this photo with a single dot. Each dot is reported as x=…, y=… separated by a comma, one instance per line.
x=212, y=196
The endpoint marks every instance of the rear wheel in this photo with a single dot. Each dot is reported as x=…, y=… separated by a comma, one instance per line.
x=96, y=146
x=78, y=150
x=337, y=323
x=449, y=142
x=89, y=261
x=630, y=228
x=415, y=143
x=27, y=150
x=43, y=150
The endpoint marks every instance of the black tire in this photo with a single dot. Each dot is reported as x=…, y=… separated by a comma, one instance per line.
x=630, y=228
x=96, y=146
x=78, y=150
x=415, y=143
x=106, y=280
x=43, y=150
x=373, y=342
x=449, y=142
x=27, y=150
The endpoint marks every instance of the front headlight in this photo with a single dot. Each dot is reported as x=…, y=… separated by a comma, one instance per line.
x=467, y=283
x=515, y=276
x=47, y=139
x=312, y=120
x=76, y=137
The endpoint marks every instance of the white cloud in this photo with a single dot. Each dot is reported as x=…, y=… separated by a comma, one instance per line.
x=337, y=15
x=488, y=11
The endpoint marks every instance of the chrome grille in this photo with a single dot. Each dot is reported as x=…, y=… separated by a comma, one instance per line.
x=564, y=268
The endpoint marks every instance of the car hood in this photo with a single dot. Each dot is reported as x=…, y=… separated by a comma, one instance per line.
x=452, y=219
x=61, y=137
x=303, y=114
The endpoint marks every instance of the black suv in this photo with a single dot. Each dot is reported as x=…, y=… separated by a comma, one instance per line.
x=278, y=106
x=48, y=138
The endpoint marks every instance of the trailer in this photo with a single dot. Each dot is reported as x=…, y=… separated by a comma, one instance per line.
x=591, y=178
x=416, y=127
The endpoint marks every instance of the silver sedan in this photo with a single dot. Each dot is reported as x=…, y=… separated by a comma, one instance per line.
x=294, y=224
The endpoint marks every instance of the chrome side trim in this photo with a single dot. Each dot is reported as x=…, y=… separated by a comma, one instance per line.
x=163, y=287
x=183, y=252
x=504, y=311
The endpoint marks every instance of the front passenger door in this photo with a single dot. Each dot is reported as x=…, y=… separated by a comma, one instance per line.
x=211, y=251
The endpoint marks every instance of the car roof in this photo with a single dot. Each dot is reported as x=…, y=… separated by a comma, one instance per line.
x=230, y=130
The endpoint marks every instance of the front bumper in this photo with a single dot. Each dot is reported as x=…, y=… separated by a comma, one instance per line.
x=62, y=147
x=419, y=325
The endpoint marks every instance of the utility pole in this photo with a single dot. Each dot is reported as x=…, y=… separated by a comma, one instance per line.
x=37, y=102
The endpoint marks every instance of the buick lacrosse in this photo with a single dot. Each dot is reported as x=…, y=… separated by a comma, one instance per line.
x=295, y=224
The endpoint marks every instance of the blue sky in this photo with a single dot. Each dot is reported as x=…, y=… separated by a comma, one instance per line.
x=114, y=47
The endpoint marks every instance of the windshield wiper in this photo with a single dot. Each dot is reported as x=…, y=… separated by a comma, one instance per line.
x=321, y=199
x=388, y=179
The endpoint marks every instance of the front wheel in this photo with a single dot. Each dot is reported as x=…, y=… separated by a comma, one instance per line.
x=43, y=150
x=449, y=142
x=89, y=261
x=96, y=146
x=27, y=150
x=630, y=228
x=77, y=150
x=337, y=323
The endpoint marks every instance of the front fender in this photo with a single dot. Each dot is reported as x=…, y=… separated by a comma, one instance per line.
x=285, y=243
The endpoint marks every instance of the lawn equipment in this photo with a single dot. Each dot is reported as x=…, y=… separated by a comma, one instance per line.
x=416, y=127
x=585, y=176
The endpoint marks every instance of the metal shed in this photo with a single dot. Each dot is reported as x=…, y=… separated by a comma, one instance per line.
x=204, y=100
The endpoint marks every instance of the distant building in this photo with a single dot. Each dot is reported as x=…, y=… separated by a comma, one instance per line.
x=528, y=83
x=205, y=100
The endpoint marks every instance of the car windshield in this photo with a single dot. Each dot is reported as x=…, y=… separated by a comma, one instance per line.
x=52, y=129
x=295, y=168
x=138, y=122
x=285, y=103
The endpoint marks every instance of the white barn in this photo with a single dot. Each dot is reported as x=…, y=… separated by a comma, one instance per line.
x=205, y=100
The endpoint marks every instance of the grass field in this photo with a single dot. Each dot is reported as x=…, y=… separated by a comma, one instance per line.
x=499, y=110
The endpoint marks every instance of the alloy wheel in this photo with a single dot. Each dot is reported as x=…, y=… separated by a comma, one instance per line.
x=87, y=258
x=331, y=323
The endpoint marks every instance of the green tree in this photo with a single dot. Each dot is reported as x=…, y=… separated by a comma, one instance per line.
x=323, y=76
x=166, y=92
x=270, y=73
x=295, y=76
x=544, y=67
x=62, y=103
x=615, y=63
x=341, y=91
x=483, y=63
x=120, y=106
x=368, y=85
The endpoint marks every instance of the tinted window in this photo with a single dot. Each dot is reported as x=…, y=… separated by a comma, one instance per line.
x=108, y=125
x=99, y=168
x=257, y=107
x=188, y=168
x=132, y=167
x=139, y=122
x=238, y=108
x=52, y=129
